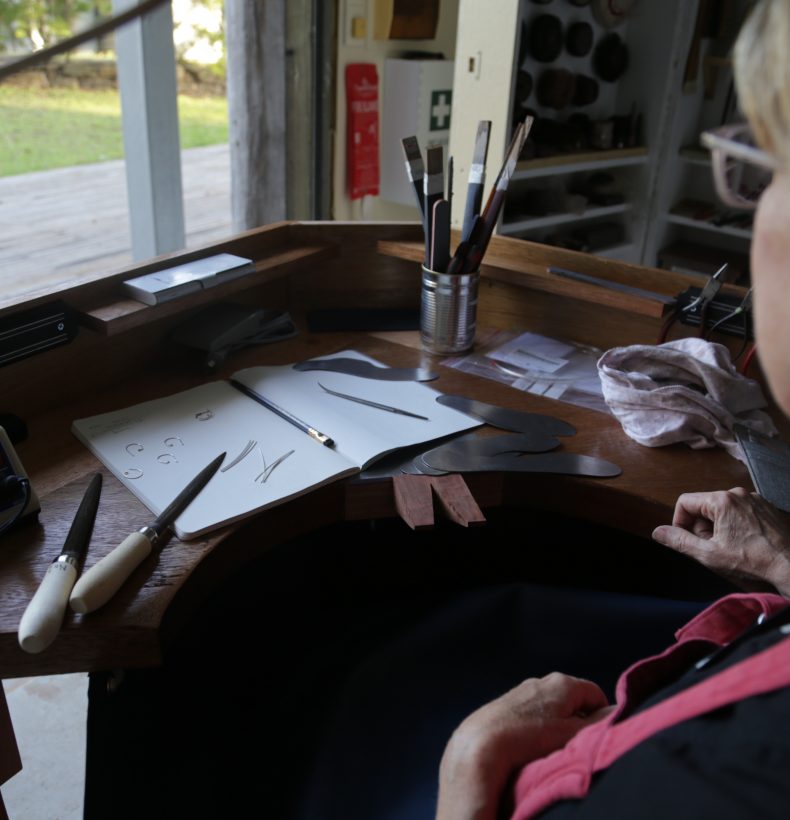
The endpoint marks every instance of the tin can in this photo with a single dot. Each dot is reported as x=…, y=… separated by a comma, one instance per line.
x=448, y=311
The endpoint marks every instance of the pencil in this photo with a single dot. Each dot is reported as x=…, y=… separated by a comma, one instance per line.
x=289, y=417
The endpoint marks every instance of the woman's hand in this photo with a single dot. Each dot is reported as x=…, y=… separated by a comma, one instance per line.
x=530, y=721
x=735, y=533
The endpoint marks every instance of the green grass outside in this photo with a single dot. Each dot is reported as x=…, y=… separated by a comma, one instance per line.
x=55, y=128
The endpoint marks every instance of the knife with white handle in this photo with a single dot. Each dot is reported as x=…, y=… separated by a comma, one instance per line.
x=43, y=616
x=96, y=586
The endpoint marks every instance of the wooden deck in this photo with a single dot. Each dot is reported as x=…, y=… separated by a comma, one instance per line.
x=58, y=226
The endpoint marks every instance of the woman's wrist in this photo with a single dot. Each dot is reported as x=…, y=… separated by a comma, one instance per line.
x=469, y=779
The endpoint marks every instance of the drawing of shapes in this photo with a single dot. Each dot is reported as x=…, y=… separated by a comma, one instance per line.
x=263, y=477
x=248, y=448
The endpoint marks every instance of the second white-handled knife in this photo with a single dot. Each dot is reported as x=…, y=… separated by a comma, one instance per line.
x=43, y=616
x=96, y=586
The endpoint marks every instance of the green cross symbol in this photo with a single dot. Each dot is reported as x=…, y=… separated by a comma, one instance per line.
x=441, y=103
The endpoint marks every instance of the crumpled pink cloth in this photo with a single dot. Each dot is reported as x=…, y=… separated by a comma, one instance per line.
x=686, y=390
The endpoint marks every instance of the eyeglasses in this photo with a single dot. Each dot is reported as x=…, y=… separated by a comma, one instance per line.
x=741, y=171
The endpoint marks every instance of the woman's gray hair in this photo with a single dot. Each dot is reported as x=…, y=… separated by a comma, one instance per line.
x=762, y=76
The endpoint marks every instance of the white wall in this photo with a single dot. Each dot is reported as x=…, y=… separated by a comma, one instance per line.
x=377, y=51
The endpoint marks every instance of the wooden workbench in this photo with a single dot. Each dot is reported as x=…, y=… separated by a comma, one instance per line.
x=122, y=356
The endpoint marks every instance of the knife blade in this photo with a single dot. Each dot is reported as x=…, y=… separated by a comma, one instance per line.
x=43, y=616
x=96, y=586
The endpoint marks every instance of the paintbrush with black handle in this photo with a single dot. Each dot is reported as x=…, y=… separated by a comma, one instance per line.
x=415, y=168
x=477, y=178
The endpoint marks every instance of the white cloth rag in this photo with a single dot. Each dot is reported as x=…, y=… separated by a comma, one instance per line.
x=686, y=390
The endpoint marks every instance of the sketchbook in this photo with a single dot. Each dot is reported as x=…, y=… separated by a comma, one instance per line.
x=155, y=448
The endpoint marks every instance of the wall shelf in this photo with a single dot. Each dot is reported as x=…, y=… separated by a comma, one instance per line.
x=115, y=312
x=672, y=106
x=526, y=264
x=702, y=225
x=572, y=163
x=511, y=228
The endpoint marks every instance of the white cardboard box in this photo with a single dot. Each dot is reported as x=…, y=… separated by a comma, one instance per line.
x=188, y=277
x=416, y=101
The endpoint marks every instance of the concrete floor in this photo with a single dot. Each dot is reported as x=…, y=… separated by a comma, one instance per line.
x=49, y=716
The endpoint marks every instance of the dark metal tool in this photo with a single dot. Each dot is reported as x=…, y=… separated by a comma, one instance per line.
x=367, y=370
x=516, y=421
x=474, y=446
x=378, y=405
x=419, y=467
x=618, y=286
x=43, y=617
x=471, y=446
x=96, y=586
x=562, y=463
x=768, y=461
x=400, y=461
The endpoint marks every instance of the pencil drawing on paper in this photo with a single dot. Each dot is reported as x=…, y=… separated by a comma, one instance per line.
x=263, y=476
x=248, y=448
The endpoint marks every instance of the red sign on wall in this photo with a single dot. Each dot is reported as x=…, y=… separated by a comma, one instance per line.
x=362, y=155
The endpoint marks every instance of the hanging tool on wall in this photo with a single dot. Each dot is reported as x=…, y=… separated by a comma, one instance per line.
x=362, y=155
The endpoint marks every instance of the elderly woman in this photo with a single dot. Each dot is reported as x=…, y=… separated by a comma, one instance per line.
x=362, y=714
x=699, y=730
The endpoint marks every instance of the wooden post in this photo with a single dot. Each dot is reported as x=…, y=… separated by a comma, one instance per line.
x=147, y=82
x=255, y=36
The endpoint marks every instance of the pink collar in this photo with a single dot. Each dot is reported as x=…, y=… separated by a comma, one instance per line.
x=567, y=773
